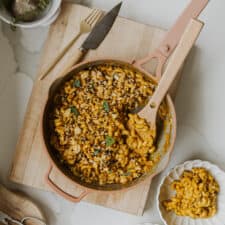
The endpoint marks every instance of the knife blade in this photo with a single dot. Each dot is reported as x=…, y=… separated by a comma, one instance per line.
x=101, y=29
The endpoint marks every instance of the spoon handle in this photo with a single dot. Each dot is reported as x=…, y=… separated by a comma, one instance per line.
x=177, y=59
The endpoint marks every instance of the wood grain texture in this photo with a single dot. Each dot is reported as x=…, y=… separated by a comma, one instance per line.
x=18, y=206
x=127, y=40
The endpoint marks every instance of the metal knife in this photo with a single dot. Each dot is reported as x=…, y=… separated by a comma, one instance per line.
x=101, y=29
x=95, y=38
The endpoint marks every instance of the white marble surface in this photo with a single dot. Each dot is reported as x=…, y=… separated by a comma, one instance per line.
x=200, y=102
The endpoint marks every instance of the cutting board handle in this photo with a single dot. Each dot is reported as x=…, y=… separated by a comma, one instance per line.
x=59, y=191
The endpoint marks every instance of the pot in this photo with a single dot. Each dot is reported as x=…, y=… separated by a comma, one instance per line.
x=168, y=131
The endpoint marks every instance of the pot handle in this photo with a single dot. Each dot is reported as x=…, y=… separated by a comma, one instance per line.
x=157, y=54
x=59, y=191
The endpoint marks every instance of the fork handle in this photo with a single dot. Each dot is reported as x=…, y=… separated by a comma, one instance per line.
x=60, y=55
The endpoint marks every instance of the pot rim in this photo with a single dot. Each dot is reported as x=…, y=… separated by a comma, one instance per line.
x=172, y=139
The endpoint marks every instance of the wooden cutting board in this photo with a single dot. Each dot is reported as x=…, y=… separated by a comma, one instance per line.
x=127, y=40
x=18, y=206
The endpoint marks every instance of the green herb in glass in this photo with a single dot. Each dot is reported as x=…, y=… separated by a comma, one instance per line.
x=28, y=10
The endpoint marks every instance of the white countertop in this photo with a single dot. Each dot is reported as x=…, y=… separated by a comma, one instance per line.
x=200, y=102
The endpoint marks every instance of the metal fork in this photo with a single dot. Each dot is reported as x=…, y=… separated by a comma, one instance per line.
x=85, y=26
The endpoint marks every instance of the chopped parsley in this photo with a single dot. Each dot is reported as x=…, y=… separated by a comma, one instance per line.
x=109, y=141
x=96, y=151
x=106, y=106
x=74, y=111
x=77, y=83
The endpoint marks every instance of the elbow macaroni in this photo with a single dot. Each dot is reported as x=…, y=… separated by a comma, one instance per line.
x=92, y=130
x=196, y=194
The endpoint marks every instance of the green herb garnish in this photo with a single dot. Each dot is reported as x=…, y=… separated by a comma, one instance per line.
x=42, y=5
x=106, y=106
x=74, y=111
x=109, y=141
x=96, y=151
x=77, y=83
x=127, y=174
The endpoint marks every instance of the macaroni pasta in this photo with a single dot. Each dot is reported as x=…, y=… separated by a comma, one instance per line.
x=196, y=194
x=93, y=131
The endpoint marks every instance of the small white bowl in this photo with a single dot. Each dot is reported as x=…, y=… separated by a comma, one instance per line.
x=49, y=17
x=165, y=192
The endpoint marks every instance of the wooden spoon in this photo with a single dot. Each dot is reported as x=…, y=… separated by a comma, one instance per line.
x=149, y=112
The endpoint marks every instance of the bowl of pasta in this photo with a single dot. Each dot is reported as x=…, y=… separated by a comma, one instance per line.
x=193, y=193
x=92, y=135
